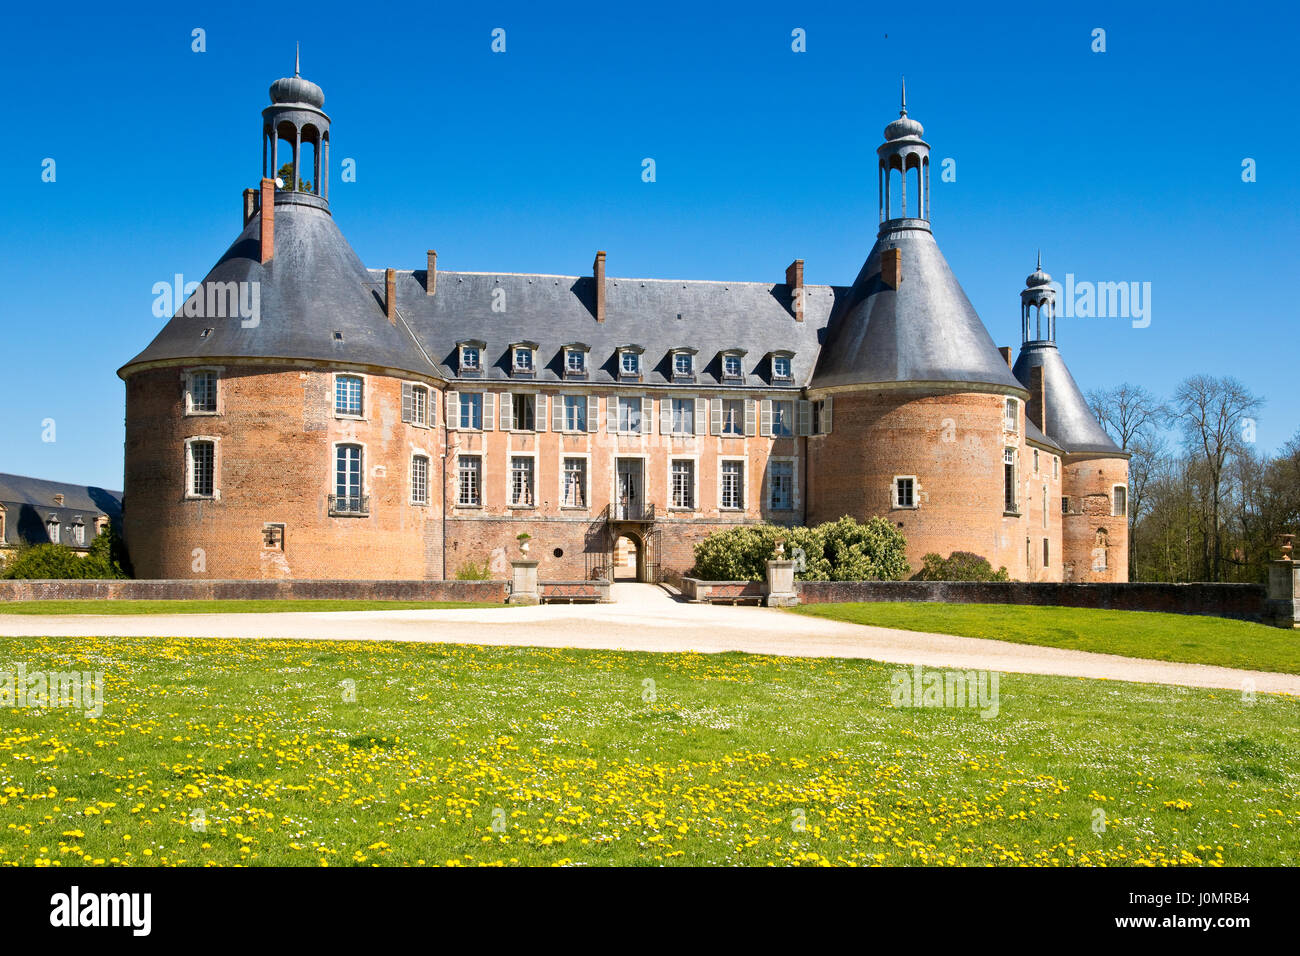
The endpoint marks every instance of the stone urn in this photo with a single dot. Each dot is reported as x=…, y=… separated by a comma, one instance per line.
x=1286, y=542
x=523, y=547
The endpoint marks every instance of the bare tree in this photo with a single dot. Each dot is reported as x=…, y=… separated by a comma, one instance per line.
x=1133, y=418
x=1210, y=413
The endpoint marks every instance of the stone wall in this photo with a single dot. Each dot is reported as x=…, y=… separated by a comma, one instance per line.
x=485, y=592
x=1244, y=601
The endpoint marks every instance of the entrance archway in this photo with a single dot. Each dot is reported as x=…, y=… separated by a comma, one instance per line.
x=629, y=558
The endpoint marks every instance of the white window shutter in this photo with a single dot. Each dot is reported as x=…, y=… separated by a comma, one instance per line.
x=489, y=410
x=557, y=413
x=647, y=415
x=507, y=412
x=804, y=415
x=593, y=412
x=751, y=413
x=666, y=416
x=611, y=414
x=826, y=416
x=431, y=408
x=701, y=415
x=715, y=416
x=539, y=414
x=408, y=402
x=765, y=417
x=453, y=409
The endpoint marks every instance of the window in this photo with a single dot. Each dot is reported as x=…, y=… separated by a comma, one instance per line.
x=683, y=491
x=575, y=413
x=1011, y=416
x=469, y=481
x=575, y=362
x=1065, y=505
x=521, y=481
x=78, y=533
x=202, y=468
x=523, y=359
x=523, y=410
x=821, y=416
x=1009, y=497
x=419, y=480
x=1046, y=553
x=347, y=480
x=781, y=485
x=420, y=405
x=201, y=395
x=904, y=492
x=629, y=363
x=1044, y=506
x=629, y=415
x=1035, y=461
x=347, y=395
x=471, y=410
x=469, y=358
x=52, y=529
x=1119, y=502
x=1056, y=467
x=683, y=416
x=782, y=419
x=731, y=366
x=733, y=484
x=781, y=367
x=575, y=483
x=682, y=364
x=733, y=416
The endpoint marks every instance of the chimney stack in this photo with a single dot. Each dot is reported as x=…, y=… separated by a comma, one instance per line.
x=891, y=267
x=794, y=279
x=1036, y=409
x=1006, y=356
x=268, y=219
x=250, y=204
x=431, y=279
x=598, y=267
x=390, y=295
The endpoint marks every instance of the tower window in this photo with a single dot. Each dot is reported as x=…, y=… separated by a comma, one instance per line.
x=419, y=480
x=348, y=497
x=201, y=393
x=201, y=456
x=1010, y=500
x=905, y=492
x=1011, y=416
x=347, y=395
x=1119, y=501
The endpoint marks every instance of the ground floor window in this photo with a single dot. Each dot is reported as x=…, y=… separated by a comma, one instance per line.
x=347, y=478
x=202, y=468
x=521, y=481
x=575, y=482
x=469, y=481
x=683, y=483
x=733, y=484
x=781, y=485
x=419, y=480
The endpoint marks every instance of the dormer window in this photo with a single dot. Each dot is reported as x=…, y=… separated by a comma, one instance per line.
x=731, y=365
x=682, y=364
x=522, y=358
x=629, y=362
x=471, y=358
x=575, y=361
x=781, y=368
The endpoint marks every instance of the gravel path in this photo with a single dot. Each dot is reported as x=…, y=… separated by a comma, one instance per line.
x=646, y=618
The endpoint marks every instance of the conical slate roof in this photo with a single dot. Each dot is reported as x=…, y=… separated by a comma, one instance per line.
x=317, y=301
x=1070, y=423
x=926, y=330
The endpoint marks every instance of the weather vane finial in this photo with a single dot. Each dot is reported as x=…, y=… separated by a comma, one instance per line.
x=903, y=109
x=1040, y=260
x=296, y=59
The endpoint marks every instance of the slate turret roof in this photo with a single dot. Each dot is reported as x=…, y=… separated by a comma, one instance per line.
x=1070, y=422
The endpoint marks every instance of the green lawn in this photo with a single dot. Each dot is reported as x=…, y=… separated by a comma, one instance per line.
x=226, y=752
x=222, y=607
x=1164, y=637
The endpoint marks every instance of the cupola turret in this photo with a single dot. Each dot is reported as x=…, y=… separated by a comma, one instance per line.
x=296, y=131
x=1036, y=298
x=904, y=152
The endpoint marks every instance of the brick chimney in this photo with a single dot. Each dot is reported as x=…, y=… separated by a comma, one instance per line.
x=431, y=280
x=1036, y=408
x=794, y=279
x=891, y=267
x=250, y=204
x=390, y=295
x=268, y=219
x=1006, y=356
x=598, y=268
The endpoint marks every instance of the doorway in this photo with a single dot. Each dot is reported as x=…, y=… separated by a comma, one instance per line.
x=627, y=559
x=630, y=503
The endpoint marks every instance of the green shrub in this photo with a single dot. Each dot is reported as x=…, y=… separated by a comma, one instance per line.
x=469, y=571
x=959, y=566
x=841, y=550
x=60, y=561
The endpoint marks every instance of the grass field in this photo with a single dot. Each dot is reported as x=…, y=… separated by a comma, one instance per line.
x=222, y=607
x=1163, y=637
x=452, y=754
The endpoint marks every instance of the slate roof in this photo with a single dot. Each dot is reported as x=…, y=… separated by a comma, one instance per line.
x=30, y=501
x=1070, y=423
x=926, y=330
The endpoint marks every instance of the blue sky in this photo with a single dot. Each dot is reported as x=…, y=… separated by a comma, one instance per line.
x=1123, y=166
